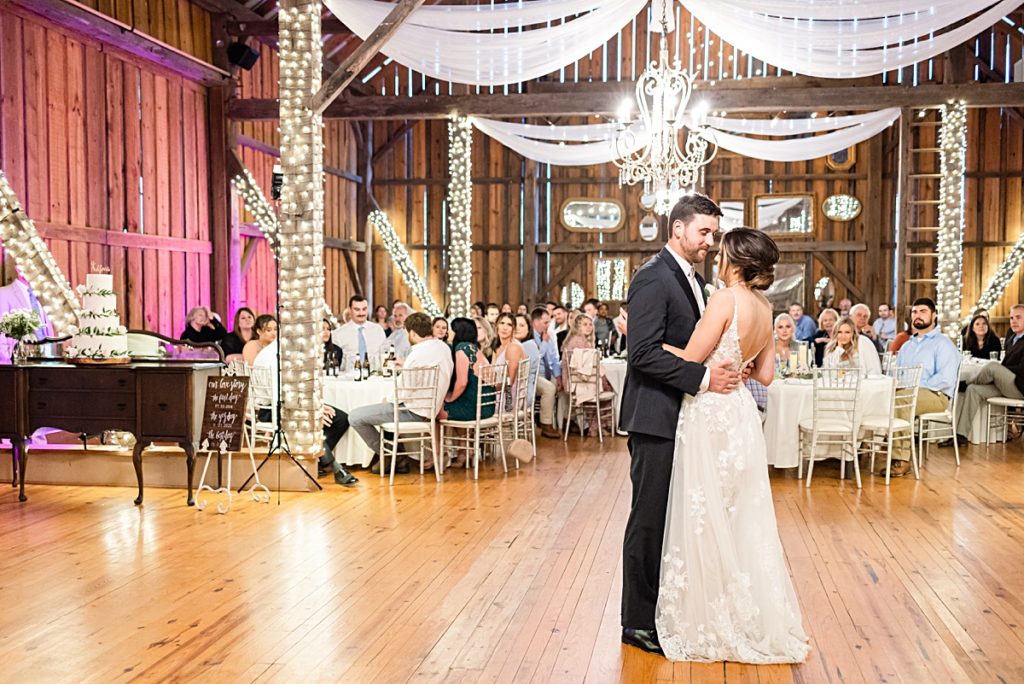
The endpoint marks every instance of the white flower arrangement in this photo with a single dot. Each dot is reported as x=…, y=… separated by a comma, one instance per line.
x=80, y=289
x=709, y=290
x=121, y=330
x=18, y=324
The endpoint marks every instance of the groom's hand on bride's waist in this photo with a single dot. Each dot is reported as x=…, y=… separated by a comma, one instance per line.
x=724, y=378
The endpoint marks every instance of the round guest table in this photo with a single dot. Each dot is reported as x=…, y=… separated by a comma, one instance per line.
x=347, y=394
x=792, y=400
x=615, y=371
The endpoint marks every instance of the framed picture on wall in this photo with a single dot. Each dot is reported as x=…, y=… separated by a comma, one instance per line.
x=790, y=280
x=588, y=215
x=785, y=214
x=843, y=160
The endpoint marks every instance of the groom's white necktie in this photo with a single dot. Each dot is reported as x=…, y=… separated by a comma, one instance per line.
x=691, y=276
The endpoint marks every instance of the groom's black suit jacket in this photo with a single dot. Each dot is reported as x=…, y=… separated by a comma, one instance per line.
x=662, y=309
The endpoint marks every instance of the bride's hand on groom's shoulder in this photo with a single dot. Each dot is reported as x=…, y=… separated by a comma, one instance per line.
x=724, y=378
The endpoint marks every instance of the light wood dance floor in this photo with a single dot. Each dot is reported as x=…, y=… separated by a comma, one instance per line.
x=505, y=579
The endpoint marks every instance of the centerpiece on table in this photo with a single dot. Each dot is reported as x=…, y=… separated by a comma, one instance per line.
x=99, y=338
x=20, y=325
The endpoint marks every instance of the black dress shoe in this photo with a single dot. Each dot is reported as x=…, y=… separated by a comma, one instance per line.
x=644, y=639
x=343, y=477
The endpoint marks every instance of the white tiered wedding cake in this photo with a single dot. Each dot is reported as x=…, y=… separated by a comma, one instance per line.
x=100, y=335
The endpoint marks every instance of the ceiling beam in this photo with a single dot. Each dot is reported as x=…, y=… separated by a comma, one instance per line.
x=268, y=28
x=85, y=21
x=354, y=63
x=233, y=9
x=584, y=100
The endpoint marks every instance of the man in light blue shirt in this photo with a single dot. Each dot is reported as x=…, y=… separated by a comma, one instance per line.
x=939, y=361
x=550, y=369
x=885, y=325
x=805, y=326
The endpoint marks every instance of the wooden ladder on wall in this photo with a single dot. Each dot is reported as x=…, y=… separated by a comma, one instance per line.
x=919, y=169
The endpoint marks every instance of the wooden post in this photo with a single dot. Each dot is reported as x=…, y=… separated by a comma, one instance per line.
x=874, y=222
x=531, y=211
x=364, y=234
x=226, y=259
x=903, y=212
x=301, y=288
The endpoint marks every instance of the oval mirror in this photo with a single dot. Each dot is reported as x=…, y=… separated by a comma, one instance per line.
x=593, y=215
x=841, y=207
x=648, y=228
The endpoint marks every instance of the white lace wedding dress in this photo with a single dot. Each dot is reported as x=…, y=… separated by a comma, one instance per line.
x=725, y=590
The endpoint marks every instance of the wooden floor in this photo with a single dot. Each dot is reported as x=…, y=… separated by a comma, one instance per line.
x=505, y=579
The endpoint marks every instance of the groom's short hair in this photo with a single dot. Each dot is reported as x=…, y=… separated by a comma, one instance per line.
x=690, y=205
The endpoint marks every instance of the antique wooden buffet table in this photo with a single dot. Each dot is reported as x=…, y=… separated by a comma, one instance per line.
x=156, y=402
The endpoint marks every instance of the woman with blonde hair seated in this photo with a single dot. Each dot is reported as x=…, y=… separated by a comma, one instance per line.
x=848, y=349
x=785, y=341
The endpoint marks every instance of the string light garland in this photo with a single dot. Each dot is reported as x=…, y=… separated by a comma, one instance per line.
x=997, y=285
x=952, y=163
x=266, y=220
x=301, y=232
x=400, y=257
x=573, y=295
x=35, y=262
x=610, y=277
x=460, y=203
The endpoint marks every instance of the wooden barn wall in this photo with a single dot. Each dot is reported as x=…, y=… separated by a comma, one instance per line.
x=178, y=23
x=339, y=193
x=110, y=161
x=409, y=179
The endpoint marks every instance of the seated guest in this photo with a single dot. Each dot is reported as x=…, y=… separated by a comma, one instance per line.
x=476, y=310
x=440, y=328
x=823, y=335
x=505, y=308
x=234, y=342
x=359, y=337
x=484, y=337
x=938, y=359
x=491, y=314
x=570, y=321
x=785, y=341
x=549, y=372
x=979, y=340
x=996, y=379
x=334, y=421
x=803, y=326
x=559, y=320
x=524, y=333
x=333, y=354
x=581, y=337
x=977, y=312
x=265, y=331
x=522, y=310
x=850, y=350
x=885, y=325
x=507, y=349
x=381, y=318
x=426, y=352
x=844, y=307
x=860, y=314
x=602, y=326
x=203, y=326
x=399, y=337
x=460, y=401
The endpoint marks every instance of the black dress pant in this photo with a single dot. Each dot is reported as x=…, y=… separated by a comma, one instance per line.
x=650, y=472
x=332, y=433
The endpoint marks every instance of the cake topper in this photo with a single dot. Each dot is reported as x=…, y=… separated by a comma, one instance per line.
x=98, y=268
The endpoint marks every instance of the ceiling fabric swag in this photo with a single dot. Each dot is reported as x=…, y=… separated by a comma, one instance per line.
x=450, y=43
x=593, y=144
x=835, y=39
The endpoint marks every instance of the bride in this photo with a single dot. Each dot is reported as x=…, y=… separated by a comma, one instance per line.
x=725, y=590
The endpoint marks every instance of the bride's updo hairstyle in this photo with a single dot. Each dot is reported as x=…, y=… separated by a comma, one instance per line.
x=754, y=253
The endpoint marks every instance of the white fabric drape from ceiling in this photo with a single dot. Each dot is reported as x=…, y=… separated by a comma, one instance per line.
x=593, y=144
x=846, y=39
x=447, y=42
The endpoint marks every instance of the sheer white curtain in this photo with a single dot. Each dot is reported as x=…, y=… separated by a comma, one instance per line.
x=843, y=39
x=445, y=42
x=592, y=144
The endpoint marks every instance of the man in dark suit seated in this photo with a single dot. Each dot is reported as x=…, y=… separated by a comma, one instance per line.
x=996, y=379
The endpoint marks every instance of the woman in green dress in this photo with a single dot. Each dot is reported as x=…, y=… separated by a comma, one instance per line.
x=460, y=403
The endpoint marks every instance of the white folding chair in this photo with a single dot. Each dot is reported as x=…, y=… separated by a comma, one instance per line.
x=261, y=397
x=1003, y=412
x=831, y=424
x=883, y=432
x=939, y=426
x=415, y=390
x=486, y=426
x=517, y=418
x=585, y=393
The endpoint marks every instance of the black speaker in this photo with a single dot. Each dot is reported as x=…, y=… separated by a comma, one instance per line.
x=242, y=55
x=276, y=181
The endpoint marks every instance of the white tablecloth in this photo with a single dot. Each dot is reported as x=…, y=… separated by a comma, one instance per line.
x=615, y=371
x=790, y=401
x=346, y=395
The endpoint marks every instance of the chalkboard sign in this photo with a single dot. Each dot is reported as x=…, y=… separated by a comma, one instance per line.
x=224, y=412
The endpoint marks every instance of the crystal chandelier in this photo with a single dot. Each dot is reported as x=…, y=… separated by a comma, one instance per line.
x=648, y=148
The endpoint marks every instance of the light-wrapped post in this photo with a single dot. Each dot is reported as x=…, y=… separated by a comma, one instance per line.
x=949, y=272
x=35, y=262
x=401, y=259
x=460, y=206
x=301, y=236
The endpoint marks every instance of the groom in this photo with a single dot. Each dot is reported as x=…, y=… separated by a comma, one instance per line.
x=666, y=299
